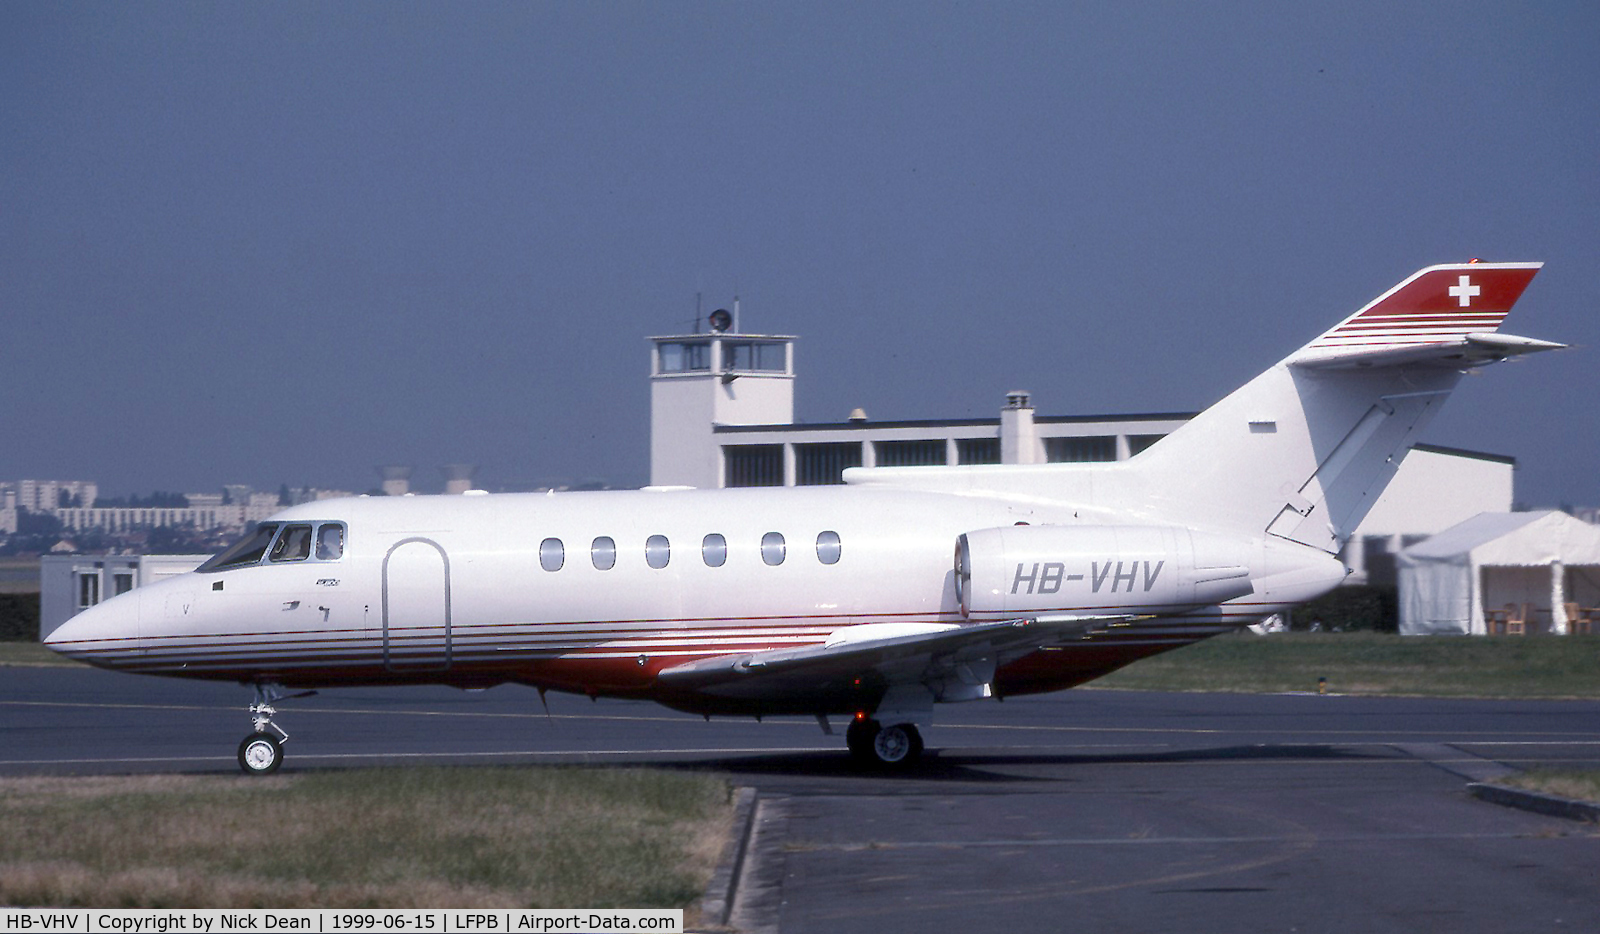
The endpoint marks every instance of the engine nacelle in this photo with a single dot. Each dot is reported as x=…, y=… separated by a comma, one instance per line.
x=1096, y=570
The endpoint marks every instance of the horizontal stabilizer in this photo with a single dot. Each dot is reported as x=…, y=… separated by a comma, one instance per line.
x=1469, y=351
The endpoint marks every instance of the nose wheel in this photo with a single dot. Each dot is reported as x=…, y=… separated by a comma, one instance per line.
x=261, y=753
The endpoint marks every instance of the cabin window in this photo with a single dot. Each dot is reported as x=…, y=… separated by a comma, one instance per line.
x=330, y=542
x=552, y=554
x=715, y=550
x=657, y=551
x=603, y=552
x=245, y=552
x=772, y=548
x=828, y=547
x=293, y=544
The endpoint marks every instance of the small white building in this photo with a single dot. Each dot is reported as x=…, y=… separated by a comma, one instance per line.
x=1530, y=565
x=70, y=584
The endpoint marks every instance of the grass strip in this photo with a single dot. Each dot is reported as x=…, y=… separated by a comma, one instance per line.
x=392, y=838
x=1375, y=663
x=1578, y=784
x=30, y=653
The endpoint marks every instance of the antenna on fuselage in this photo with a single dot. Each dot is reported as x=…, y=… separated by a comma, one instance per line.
x=546, y=703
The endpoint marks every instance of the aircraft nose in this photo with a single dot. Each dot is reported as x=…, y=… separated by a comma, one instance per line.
x=101, y=635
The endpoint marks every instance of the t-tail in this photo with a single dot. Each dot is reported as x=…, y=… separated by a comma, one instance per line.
x=1303, y=450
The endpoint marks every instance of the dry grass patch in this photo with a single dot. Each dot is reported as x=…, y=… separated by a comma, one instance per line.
x=429, y=838
x=31, y=654
x=1563, y=783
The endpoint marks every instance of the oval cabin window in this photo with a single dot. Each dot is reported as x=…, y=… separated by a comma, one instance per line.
x=715, y=550
x=772, y=548
x=552, y=554
x=657, y=551
x=828, y=547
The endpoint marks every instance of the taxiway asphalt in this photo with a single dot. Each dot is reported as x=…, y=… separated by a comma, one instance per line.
x=1083, y=811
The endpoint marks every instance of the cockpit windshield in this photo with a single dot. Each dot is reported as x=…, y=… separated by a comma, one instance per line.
x=282, y=543
x=245, y=551
x=293, y=544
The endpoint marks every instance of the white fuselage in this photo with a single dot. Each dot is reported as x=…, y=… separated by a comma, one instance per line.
x=479, y=590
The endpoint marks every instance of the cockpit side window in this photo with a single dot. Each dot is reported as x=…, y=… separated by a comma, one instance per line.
x=245, y=552
x=330, y=541
x=293, y=544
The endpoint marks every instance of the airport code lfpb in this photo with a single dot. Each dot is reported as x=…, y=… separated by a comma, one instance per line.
x=410, y=921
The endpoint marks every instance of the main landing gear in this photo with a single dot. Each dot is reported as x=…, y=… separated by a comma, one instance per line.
x=261, y=753
x=891, y=748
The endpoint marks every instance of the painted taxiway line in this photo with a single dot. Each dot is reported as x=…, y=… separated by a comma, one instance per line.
x=525, y=753
x=1372, y=736
x=973, y=755
x=881, y=845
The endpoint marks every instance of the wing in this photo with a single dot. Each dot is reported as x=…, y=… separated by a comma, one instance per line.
x=955, y=662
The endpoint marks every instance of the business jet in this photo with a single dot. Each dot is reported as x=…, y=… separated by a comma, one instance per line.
x=902, y=589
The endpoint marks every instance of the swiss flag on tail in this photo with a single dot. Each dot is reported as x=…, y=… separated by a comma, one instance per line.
x=1442, y=316
x=1438, y=304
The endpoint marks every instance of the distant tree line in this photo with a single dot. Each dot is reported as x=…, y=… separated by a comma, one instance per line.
x=19, y=617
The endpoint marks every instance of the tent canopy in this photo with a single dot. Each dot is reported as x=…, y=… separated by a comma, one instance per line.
x=1447, y=581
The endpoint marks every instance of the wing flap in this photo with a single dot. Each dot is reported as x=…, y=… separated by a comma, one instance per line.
x=919, y=657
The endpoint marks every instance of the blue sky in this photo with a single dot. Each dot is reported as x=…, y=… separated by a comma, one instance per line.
x=287, y=242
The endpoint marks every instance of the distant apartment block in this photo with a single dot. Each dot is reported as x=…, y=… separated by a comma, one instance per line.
x=47, y=495
x=73, y=502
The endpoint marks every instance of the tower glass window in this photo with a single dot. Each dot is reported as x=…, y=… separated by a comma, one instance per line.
x=1091, y=448
x=914, y=453
x=753, y=355
x=684, y=356
x=978, y=450
x=824, y=463
x=753, y=465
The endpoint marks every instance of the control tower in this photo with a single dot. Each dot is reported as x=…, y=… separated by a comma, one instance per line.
x=699, y=381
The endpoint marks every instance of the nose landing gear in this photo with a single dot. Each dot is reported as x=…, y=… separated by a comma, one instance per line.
x=261, y=753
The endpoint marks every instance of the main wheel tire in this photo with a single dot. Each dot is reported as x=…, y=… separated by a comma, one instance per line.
x=859, y=736
x=260, y=754
x=896, y=747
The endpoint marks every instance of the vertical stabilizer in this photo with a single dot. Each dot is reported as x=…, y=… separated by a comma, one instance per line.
x=1303, y=450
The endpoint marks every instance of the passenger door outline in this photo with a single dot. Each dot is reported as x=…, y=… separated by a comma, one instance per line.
x=423, y=661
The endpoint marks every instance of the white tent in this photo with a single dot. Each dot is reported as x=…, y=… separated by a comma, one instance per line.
x=1546, y=559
